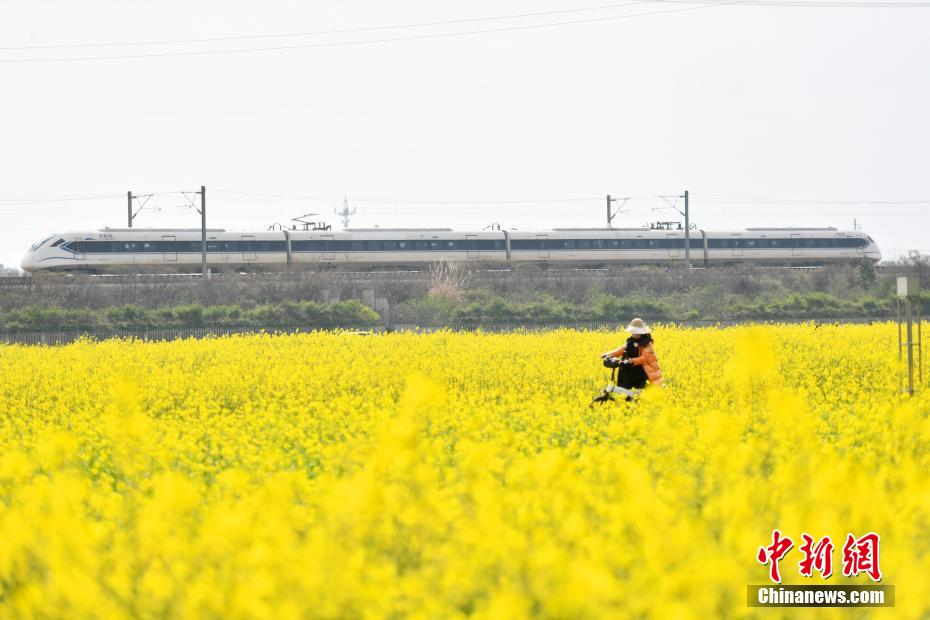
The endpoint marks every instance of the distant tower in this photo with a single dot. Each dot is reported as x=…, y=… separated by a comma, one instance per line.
x=345, y=212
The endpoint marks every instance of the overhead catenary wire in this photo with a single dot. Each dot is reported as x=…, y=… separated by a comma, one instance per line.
x=699, y=4
x=446, y=22
x=285, y=35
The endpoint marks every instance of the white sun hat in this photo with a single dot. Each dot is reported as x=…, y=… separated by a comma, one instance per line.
x=637, y=326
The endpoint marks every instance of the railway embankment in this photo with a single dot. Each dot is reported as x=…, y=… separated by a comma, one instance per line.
x=447, y=294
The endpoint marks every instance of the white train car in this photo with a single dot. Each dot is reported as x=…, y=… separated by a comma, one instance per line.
x=811, y=246
x=164, y=250
x=158, y=249
x=592, y=246
x=395, y=246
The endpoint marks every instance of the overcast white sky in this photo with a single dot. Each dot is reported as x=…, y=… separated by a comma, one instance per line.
x=769, y=115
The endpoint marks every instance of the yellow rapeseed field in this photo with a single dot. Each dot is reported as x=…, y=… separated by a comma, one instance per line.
x=452, y=475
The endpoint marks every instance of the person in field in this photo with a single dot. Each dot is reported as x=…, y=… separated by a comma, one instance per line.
x=636, y=361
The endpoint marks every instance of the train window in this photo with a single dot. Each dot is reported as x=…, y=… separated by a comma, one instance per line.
x=584, y=244
x=452, y=245
x=419, y=245
x=750, y=243
x=57, y=243
x=433, y=245
x=401, y=245
x=498, y=244
x=568, y=244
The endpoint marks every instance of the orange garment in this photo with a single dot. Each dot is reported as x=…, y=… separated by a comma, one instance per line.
x=647, y=359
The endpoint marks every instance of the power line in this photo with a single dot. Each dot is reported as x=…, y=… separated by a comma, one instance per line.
x=228, y=195
x=718, y=199
x=785, y=3
x=418, y=37
x=314, y=33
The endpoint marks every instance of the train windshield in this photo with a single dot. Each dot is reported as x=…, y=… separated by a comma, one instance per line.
x=36, y=246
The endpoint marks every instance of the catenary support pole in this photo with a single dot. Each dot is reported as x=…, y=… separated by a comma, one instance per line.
x=129, y=207
x=203, y=231
x=687, y=235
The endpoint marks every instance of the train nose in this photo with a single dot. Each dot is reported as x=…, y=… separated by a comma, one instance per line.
x=28, y=264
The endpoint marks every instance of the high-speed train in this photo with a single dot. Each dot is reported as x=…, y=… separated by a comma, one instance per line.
x=162, y=249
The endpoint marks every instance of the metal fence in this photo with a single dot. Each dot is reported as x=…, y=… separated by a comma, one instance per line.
x=158, y=335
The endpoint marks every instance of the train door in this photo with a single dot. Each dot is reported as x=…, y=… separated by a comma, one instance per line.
x=329, y=247
x=796, y=249
x=542, y=246
x=471, y=246
x=248, y=248
x=672, y=243
x=736, y=242
x=78, y=249
x=169, y=249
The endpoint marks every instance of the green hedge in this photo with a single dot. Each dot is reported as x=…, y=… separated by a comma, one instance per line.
x=480, y=307
x=283, y=315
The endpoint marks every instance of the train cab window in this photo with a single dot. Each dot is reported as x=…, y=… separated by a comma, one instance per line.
x=57, y=243
x=36, y=246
